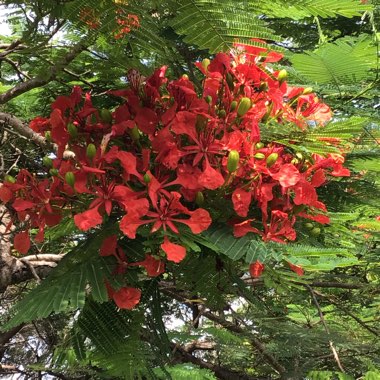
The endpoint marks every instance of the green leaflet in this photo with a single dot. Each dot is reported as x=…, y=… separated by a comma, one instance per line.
x=299, y=9
x=347, y=60
x=216, y=25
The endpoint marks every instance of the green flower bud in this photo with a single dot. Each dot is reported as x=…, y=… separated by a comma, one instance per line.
x=230, y=81
x=282, y=75
x=9, y=178
x=315, y=231
x=307, y=90
x=259, y=156
x=233, y=106
x=263, y=86
x=185, y=76
x=244, y=106
x=105, y=116
x=309, y=226
x=271, y=159
x=208, y=99
x=147, y=178
x=199, y=198
x=259, y=145
x=205, y=63
x=70, y=178
x=91, y=151
x=73, y=131
x=233, y=161
x=135, y=134
x=47, y=161
x=53, y=172
x=48, y=136
x=222, y=113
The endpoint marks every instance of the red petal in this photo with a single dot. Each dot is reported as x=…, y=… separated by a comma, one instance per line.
x=305, y=193
x=22, y=205
x=88, y=219
x=241, y=200
x=108, y=246
x=297, y=269
x=255, y=269
x=318, y=178
x=199, y=221
x=210, y=178
x=128, y=162
x=130, y=223
x=127, y=298
x=288, y=175
x=153, y=266
x=21, y=242
x=174, y=252
x=147, y=120
x=5, y=194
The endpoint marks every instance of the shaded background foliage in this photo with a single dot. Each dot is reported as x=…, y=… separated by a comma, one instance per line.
x=206, y=318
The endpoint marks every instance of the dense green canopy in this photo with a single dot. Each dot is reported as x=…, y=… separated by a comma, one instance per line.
x=205, y=318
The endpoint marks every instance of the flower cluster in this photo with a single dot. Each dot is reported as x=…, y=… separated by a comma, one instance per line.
x=165, y=154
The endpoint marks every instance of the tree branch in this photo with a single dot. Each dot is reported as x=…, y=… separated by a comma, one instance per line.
x=322, y=318
x=24, y=130
x=269, y=358
x=42, y=80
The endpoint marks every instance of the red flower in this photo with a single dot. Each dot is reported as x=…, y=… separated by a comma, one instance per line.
x=256, y=268
x=174, y=252
x=21, y=242
x=126, y=297
x=153, y=267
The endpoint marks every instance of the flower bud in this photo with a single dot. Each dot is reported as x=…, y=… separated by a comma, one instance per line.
x=199, y=198
x=48, y=136
x=315, y=231
x=233, y=161
x=271, y=159
x=222, y=113
x=47, y=161
x=263, y=86
x=282, y=75
x=233, y=106
x=309, y=226
x=205, y=63
x=147, y=178
x=70, y=178
x=53, y=172
x=244, y=106
x=91, y=151
x=73, y=131
x=230, y=81
x=135, y=134
x=185, y=77
x=259, y=156
x=307, y=90
x=9, y=178
x=259, y=145
x=208, y=99
x=105, y=116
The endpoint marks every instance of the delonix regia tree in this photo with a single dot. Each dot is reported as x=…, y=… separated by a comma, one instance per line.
x=177, y=201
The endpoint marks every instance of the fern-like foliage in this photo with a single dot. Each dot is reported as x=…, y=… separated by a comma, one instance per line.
x=216, y=25
x=81, y=271
x=347, y=60
x=299, y=9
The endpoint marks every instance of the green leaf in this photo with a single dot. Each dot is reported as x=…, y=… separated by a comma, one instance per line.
x=216, y=25
x=347, y=60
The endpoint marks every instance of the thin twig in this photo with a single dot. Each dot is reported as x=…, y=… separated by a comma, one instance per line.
x=322, y=318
